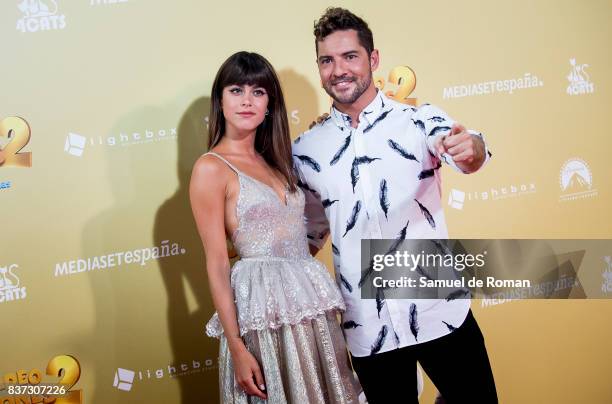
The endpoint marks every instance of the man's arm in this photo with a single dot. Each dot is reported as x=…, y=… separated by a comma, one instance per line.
x=464, y=150
x=317, y=226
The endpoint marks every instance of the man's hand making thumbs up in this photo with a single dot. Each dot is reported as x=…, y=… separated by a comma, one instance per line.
x=466, y=150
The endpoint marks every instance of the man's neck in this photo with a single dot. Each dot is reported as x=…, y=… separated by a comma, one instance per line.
x=354, y=109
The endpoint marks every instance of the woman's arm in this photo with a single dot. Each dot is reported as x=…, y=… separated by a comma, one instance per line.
x=207, y=193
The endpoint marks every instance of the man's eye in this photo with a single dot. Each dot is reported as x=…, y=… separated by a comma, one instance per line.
x=350, y=57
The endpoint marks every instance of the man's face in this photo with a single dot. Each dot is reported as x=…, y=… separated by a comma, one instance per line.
x=345, y=66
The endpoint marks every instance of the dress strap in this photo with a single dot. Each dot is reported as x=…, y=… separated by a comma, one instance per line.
x=224, y=160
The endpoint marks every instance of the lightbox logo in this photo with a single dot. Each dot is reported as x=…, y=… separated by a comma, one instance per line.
x=10, y=285
x=5, y=185
x=456, y=199
x=124, y=379
x=40, y=15
x=575, y=180
x=75, y=144
x=606, y=285
x=579, y=81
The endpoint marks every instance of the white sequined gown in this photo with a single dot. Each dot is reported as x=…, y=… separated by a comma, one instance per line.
x=286, y=305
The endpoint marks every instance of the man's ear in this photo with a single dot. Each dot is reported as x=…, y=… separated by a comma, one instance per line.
x=374, y=59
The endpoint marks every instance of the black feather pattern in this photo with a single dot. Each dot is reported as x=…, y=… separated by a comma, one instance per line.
x=414, y=323
x=340, y=152
x=490, y=154
x=437, y=129
x=383, y=197
x=377, y=120
x=409, y=108
x=327, y=203
x=305, y=187
x=397, y=339
x=346, y=283
x=309, y=161
x=298, y=140
x=350, y=324
x=437, y=119
x=350, y=223
x=401, y=237
x=429, y=172
x=355, y=168
x=442, y=247
x=422, y=272
x=419, y=124
x=382, y=103
x=335, y=250
x=427, y=215
x=402, y=152
x=457, y=294
x=449, y=326
x=380, y=300
x=380, y=340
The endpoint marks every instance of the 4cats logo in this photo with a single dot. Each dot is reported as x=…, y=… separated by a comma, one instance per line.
x=40, y=15
x=10, y=285
x=405, y=78
x=14, y=136
x=23, y=386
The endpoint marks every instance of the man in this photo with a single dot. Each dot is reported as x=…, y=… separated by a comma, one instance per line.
x=370, y=170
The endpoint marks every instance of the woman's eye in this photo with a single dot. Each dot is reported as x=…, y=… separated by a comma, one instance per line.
x=259, y=93
x=235, y=90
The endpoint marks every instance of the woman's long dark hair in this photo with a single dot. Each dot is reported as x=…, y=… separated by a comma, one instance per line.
x=272, y=140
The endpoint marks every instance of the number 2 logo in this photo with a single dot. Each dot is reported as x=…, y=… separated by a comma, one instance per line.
x=405, y=78
x=14, y=136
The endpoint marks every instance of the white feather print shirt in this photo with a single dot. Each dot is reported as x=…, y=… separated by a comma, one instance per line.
x=380, y=180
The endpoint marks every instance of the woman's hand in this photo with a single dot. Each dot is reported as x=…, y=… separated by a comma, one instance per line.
x=248, y=374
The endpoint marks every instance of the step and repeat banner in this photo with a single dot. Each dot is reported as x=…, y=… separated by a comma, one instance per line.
x=104, y=109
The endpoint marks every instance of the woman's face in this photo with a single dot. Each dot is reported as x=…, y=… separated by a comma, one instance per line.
x=244, y=107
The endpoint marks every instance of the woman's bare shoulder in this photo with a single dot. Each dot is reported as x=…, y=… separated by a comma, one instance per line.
x=210, y=170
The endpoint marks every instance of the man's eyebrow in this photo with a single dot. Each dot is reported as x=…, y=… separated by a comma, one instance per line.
x=350, y=52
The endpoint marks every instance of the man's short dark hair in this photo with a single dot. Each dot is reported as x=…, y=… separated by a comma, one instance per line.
x=340, y=19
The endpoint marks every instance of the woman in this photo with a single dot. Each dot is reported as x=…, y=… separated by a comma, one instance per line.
x=276, y=307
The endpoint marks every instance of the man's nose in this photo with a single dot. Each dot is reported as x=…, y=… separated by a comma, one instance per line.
x=339, y=69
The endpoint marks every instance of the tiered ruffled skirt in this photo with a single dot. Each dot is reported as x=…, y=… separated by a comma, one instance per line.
x=287, y=316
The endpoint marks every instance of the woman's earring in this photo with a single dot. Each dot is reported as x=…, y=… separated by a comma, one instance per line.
x=267, y=112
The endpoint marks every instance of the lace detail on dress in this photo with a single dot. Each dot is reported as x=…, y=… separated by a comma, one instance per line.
x=276, y=281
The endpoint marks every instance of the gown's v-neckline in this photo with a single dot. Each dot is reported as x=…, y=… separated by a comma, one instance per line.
x=284, y=203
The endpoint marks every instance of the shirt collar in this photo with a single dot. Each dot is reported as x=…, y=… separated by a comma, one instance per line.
x=369, y=113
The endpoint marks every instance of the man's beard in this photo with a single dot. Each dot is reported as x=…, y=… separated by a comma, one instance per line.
x=360, y=88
